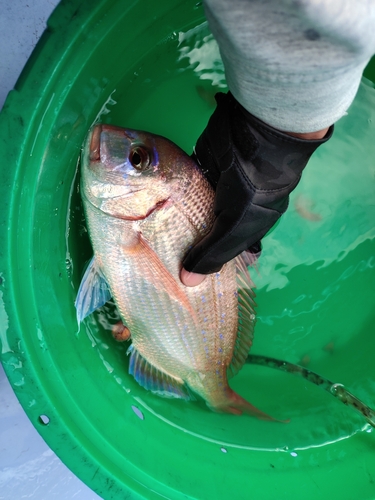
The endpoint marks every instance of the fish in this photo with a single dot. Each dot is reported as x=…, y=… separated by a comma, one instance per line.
x=146, y=203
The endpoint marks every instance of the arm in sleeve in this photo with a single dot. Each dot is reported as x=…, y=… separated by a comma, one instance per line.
x=295, y=65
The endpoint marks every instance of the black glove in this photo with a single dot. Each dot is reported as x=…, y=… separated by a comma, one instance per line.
x=253, y=169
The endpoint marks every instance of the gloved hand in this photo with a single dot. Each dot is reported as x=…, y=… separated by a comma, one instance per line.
x=253, y=169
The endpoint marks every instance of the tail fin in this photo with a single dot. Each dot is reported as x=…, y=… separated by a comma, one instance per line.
x=237, y=405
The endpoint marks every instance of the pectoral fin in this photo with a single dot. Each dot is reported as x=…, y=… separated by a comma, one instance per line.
x=147, y=263
x=93, y=292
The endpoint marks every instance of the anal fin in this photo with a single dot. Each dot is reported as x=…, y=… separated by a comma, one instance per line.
x=155, y=380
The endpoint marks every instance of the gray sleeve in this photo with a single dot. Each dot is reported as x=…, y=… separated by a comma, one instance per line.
x=295, y=64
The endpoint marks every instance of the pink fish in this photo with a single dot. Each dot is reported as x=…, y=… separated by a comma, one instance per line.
x=146, y=203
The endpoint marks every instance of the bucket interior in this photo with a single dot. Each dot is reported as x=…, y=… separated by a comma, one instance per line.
x=156, y=67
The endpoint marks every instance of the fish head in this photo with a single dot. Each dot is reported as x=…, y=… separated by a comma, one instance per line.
x=129, y=174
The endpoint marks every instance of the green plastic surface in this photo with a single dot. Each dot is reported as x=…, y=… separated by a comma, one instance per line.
x=154, y=65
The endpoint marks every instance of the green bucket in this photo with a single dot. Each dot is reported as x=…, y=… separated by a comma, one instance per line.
x=155, y=66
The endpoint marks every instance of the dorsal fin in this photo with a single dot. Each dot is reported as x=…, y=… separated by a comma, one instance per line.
x=155, y=380
x=246, y=317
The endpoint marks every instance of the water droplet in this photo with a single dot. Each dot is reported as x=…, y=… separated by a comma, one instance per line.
x=138, y=412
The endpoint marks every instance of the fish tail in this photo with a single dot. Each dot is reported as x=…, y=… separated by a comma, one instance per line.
x=237, y=405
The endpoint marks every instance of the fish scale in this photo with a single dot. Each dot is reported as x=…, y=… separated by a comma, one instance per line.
x=185, y=340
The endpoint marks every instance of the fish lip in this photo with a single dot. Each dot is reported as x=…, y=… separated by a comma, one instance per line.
x=94, y=148
x=126, y=195
x=158, y=206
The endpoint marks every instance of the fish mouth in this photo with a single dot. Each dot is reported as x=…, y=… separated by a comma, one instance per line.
x=158, y=206
x=95, y=155
x=94, y=148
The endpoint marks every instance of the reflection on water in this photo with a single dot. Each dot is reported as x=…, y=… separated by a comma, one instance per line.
x=202, y=53
x=340, y=180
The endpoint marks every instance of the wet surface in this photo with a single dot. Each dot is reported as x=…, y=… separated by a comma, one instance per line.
x=28, y=467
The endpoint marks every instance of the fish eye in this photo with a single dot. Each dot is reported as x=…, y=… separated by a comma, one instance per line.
x=140, y=159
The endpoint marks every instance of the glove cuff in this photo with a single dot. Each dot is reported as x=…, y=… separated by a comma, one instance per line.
x=271, y=159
